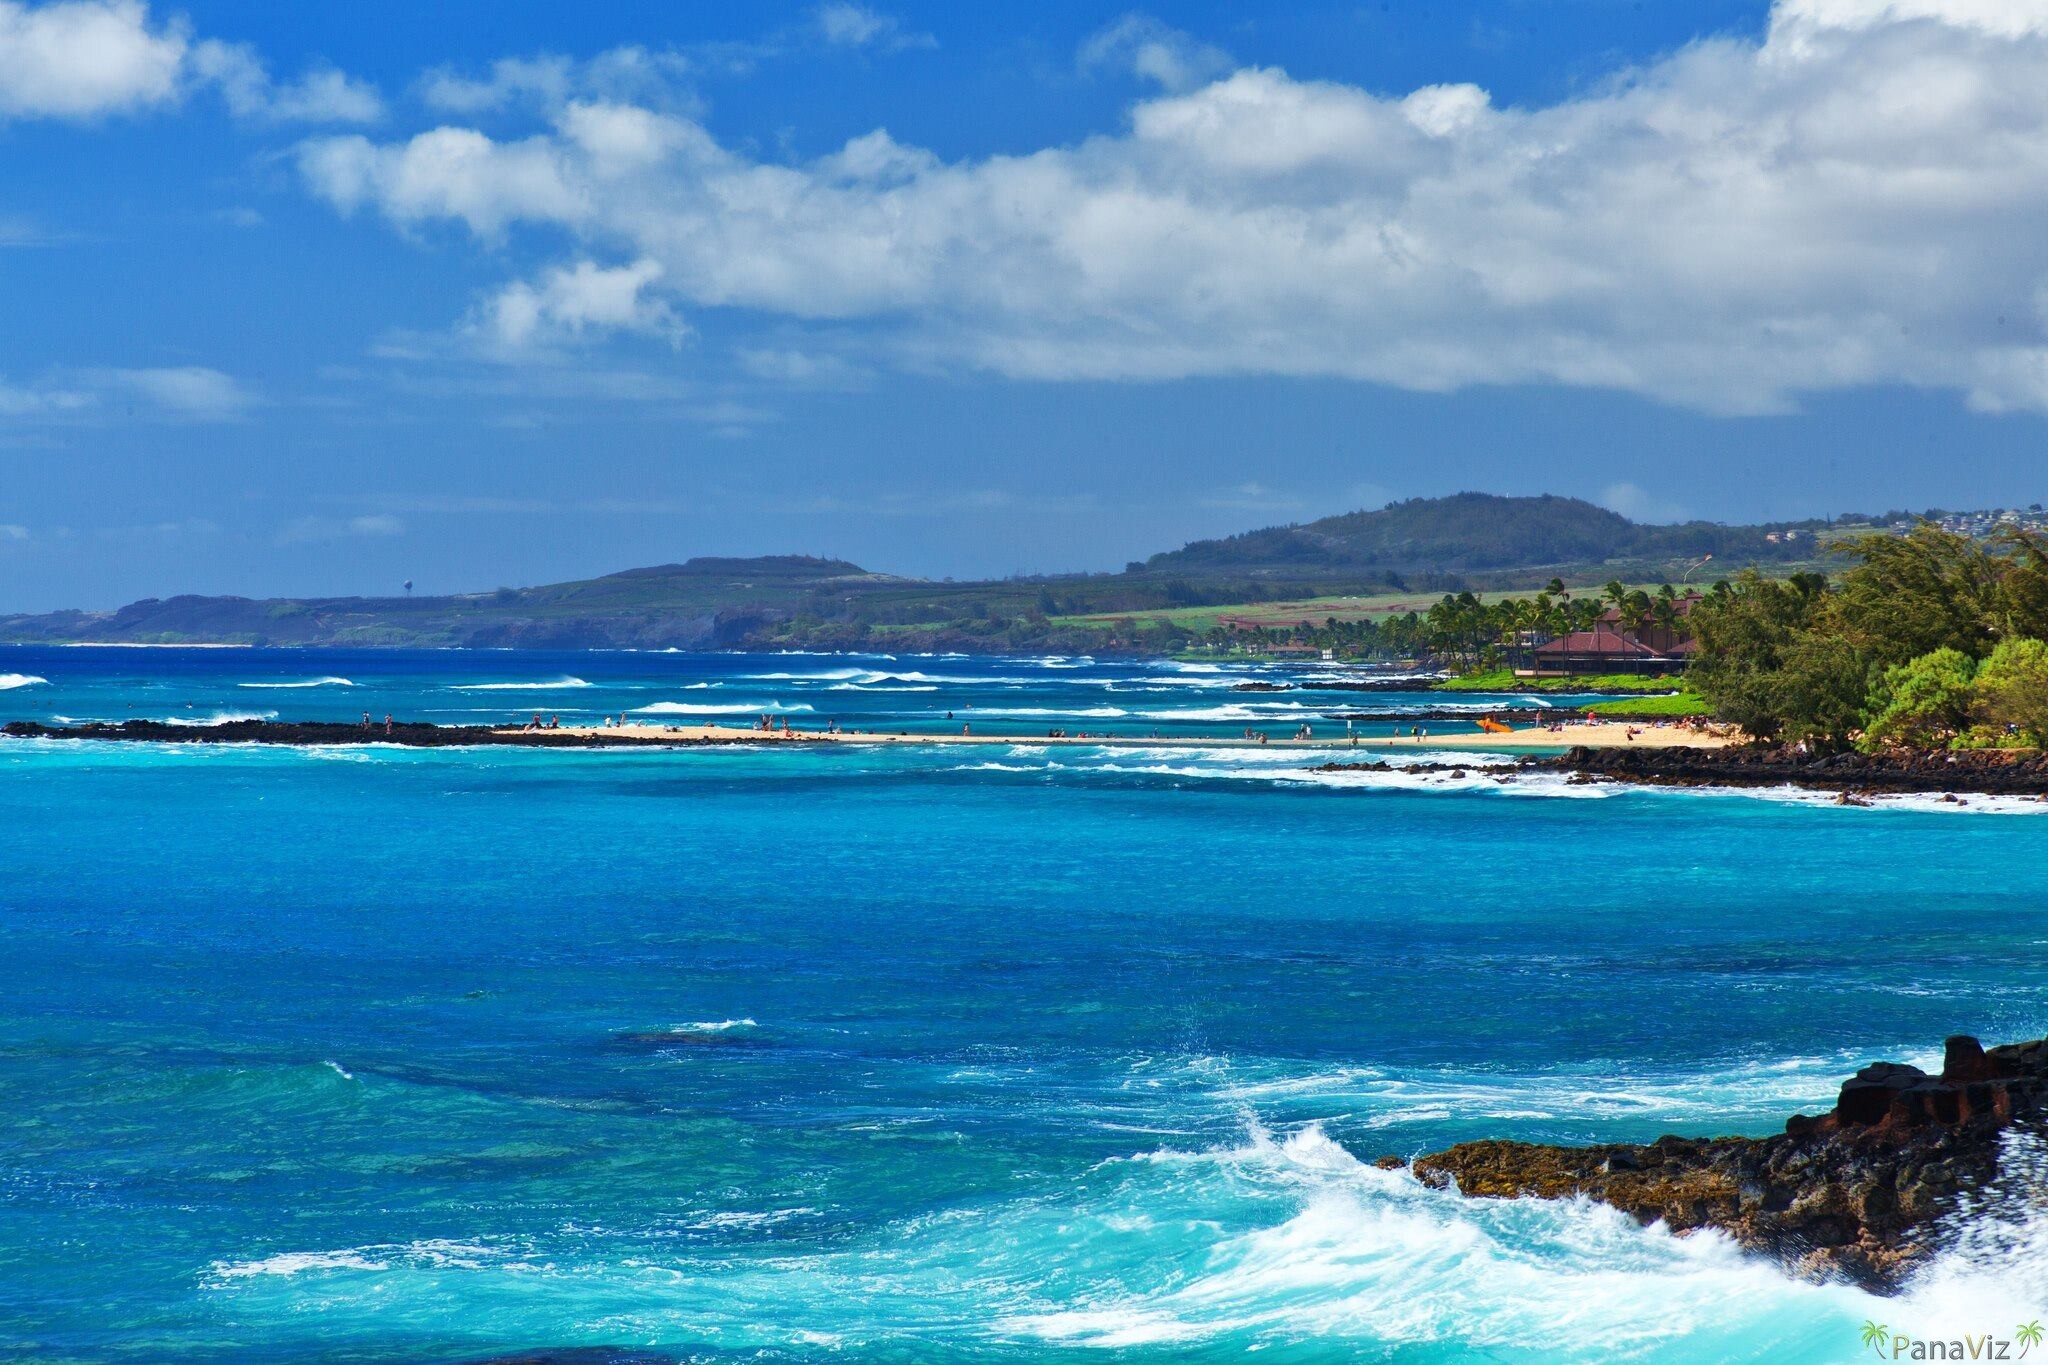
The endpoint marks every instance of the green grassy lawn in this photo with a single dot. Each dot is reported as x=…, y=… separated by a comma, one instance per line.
x=1275, y=615
x=1504, y=680
x=1672, y=705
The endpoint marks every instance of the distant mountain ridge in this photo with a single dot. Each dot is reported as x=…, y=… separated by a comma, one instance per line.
x=1423, y=545
x=1469, y=532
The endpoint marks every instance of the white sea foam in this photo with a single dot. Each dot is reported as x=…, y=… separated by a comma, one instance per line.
x=429, y=1253
x=1240, y=711
x=220, y=718
x=719, y=708
x=829, y=675
x=1349, y=1253
x=294, y=686
x=551, y=685
x=713, y=1026
x=297, y=1263
x=863, y=687
x=10, y=681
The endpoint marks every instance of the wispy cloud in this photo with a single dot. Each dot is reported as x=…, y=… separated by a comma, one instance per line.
x=1637, y=505
x=321, y=95
x=803, y=369
x=186, y=393
x=189, y=391
x=1253, y=497
x=936, y=502
x=1153, y=51
x=844, y=24
x=303, y=530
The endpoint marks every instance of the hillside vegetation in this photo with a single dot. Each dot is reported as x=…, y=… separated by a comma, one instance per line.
x=1472, y=532
x=1350, y=569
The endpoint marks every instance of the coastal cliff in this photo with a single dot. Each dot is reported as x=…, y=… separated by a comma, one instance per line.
x=1854, y=1194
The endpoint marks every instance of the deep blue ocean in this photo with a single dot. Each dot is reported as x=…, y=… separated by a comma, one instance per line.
x=980, y=1054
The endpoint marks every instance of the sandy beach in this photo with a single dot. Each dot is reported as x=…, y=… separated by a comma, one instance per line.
x=1606, y=734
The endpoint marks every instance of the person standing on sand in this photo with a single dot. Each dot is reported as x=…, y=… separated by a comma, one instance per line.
x=966, y=730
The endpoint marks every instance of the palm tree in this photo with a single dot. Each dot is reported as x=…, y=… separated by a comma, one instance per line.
x=1665, y=615
x=1874, y=1332
x=2029, y=1336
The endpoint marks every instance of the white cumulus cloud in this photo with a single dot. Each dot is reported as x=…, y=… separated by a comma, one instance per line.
x=566, y=304
x=83, y=59
x=1855, y=199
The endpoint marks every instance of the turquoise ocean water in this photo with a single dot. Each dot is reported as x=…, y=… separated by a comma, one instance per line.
x=994, y=1054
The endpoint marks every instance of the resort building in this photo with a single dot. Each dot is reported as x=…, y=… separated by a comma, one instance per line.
x=1641, y=644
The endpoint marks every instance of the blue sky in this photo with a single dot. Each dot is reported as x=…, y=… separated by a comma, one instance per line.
x=316, y=299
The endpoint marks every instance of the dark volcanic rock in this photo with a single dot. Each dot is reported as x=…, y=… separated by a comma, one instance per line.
x=408, y=733
x=1987, y=772
x=1854, y=1194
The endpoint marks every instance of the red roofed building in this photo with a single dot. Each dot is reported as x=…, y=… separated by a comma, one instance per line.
x=1640, y=645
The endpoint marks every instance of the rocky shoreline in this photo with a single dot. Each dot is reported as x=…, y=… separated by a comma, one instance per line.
x=411, y=734
x=1982, y=772
x=1857, y=1194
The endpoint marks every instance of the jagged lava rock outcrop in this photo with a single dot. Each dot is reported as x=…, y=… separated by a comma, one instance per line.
x=1988, y=772
x=1855, y=1194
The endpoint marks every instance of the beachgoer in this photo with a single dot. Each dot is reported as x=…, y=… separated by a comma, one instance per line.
x=387, y=723
x=366, y=720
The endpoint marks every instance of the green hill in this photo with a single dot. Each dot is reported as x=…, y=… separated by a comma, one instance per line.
x=1469, y=533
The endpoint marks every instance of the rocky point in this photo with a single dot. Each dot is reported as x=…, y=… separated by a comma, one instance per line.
x=1855, y=1194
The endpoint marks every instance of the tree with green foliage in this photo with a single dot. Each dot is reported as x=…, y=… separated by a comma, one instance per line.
x=1744, y=635
x=1820, y=689
x=1929, y=589
x=2012, y=689
x=1923, y=703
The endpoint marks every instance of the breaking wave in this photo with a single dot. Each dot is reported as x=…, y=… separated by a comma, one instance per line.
x=714, y=708
x=552, y=685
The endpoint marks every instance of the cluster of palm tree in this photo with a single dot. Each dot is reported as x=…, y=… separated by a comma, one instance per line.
x=1461, y=630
